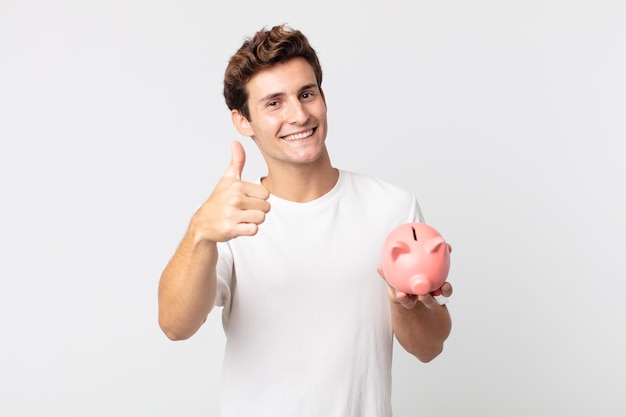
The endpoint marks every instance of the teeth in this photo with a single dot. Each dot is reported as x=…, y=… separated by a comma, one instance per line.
x=299, y=135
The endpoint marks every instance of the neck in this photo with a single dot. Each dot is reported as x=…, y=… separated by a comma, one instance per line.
x=301, y=183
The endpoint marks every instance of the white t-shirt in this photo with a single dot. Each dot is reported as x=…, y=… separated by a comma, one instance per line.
x=306, y=315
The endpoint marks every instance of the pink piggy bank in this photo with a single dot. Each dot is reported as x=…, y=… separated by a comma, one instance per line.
x=416, y=259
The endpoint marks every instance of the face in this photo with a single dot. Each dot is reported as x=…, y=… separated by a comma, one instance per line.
x=287, y=114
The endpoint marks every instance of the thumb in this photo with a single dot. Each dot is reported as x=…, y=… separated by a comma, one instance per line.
x=237, y=161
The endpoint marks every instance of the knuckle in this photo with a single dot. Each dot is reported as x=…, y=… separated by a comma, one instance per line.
x=254, y=229
x=236, y=201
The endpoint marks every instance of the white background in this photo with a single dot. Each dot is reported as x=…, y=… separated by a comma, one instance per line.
x=506, y=118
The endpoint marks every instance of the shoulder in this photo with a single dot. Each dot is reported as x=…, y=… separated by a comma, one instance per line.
x=368, y=198
x=373, y=185
x=380, y=198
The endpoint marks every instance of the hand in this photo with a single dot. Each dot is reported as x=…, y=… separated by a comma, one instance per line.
x=409, y=301
x=235, y=208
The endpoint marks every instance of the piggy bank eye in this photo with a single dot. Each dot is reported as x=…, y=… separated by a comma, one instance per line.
x=414, y=234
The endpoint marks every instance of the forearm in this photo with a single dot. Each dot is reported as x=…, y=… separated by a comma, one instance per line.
x=421, y=330
x=187, y=288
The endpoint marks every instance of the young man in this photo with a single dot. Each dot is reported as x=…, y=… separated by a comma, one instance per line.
x=293, y=258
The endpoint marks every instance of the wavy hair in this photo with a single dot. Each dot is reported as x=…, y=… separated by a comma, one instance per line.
x=265, y=49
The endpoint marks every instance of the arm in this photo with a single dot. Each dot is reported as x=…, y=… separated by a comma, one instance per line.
x=187, y=287
x=419, y=323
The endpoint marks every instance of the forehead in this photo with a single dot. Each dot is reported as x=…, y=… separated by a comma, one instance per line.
x=281, y=79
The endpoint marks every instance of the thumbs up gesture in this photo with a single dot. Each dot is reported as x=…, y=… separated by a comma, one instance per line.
x=235, y=208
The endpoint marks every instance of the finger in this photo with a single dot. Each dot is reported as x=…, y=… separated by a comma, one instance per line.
x=245, y=229
x=256, y=191
x=390, y=287
x=406, y=300
x=251, y=216
x=446, y=289
x=237, y=161
x=429, y=301
x=252, y=205
x=379, y=268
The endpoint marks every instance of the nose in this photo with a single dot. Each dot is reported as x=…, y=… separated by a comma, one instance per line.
x=297, y=112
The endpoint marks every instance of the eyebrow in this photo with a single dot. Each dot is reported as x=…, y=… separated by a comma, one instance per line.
x=274, y=95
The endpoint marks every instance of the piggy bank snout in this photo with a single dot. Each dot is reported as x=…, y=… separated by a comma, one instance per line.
x=420, y=284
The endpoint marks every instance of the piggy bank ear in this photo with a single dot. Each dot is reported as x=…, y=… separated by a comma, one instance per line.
x=399, y=248
x=434, y=244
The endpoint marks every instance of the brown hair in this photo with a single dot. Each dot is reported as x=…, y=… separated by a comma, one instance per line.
x=265, y=49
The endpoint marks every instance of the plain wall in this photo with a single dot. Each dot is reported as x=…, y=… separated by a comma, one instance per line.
x=507, y=119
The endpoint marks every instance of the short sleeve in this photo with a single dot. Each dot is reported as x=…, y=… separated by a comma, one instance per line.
x=224, y=269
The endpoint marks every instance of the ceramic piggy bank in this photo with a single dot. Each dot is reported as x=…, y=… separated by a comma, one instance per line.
x=416, y=259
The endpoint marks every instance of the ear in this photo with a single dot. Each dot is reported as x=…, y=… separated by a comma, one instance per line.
x=434, y=244
x=241, y=123
x=399, y=248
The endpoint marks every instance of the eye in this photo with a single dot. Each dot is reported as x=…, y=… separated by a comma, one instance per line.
x=414, y=234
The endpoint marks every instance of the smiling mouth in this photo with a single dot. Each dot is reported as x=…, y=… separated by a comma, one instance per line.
x=299, y=136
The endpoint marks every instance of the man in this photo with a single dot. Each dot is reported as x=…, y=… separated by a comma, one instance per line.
x=293, y=258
